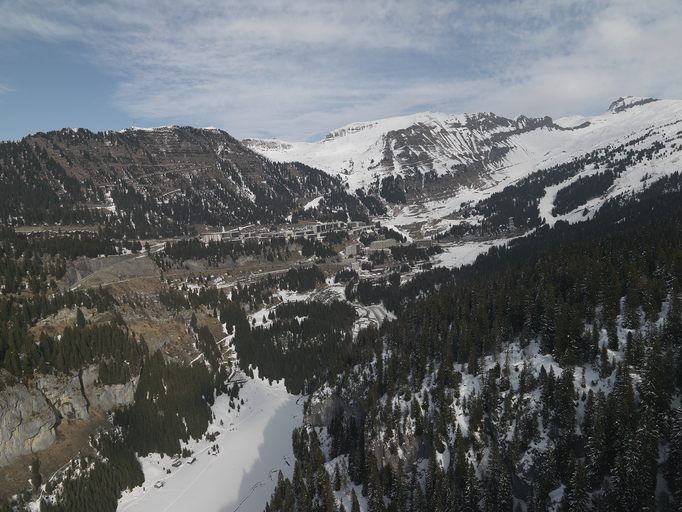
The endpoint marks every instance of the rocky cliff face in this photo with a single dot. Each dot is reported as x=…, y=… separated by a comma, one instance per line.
x=106, y=398
x=31, y=412
x=27, y=422
x=63, y=393
x=448, y=150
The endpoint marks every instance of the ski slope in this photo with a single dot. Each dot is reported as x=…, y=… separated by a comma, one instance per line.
x=254, y=445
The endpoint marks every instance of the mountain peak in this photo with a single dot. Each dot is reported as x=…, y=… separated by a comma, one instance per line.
x=386, y=124
x=170, y=128
x=626, y=102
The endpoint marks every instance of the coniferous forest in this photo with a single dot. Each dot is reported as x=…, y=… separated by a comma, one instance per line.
x=600, y=298
x=445, y=385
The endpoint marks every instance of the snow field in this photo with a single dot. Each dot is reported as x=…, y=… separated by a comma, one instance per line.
x=254, y=445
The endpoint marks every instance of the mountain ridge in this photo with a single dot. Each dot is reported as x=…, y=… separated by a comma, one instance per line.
x=168, y=178
x=433, y=161
x=428, y=168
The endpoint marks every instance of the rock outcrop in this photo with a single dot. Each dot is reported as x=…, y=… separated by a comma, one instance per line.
x=27, y=421
x=64, y=393
x=106, y=397
x=30, y=413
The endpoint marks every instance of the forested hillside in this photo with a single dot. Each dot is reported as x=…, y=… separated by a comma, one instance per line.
x=545, y=375
x=160, y=182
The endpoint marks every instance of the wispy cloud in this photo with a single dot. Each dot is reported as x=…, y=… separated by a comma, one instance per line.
x=292, y=69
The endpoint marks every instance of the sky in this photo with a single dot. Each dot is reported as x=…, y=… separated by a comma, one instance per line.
x=296, y=69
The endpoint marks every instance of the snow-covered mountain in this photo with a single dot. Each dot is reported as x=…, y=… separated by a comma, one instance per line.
x=426, y=142
x=433, y=163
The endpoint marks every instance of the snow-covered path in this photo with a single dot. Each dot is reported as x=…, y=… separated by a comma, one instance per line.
x=255, y=443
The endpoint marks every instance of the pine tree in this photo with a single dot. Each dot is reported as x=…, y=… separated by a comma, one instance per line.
x=375, y=494
x=325, y=491
x=498, y=490
x=578, y=499
x=597, y=442
x=337, y=478
x=623, y=407
x=546, y=480
x=604, y=363
x=355, y=504
x=674, y=473
x=36, y=478
x=80, y=318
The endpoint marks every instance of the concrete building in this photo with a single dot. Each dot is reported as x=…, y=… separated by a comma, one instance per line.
x=382, y=245
x=353, y=250
x=311, y=231
x=211, y=237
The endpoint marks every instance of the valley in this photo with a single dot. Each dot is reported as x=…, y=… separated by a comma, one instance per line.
x=410, y=314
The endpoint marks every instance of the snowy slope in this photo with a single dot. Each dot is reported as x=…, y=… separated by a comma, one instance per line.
x=499, y=151
x=544, y=148
x=353, y=151
x=255, y=443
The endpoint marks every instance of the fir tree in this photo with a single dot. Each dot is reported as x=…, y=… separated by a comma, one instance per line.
x=578, y=499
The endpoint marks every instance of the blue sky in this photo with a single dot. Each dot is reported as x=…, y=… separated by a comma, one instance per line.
x=296, y=70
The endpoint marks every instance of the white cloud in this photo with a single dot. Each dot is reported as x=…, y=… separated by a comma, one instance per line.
x=292, y=69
